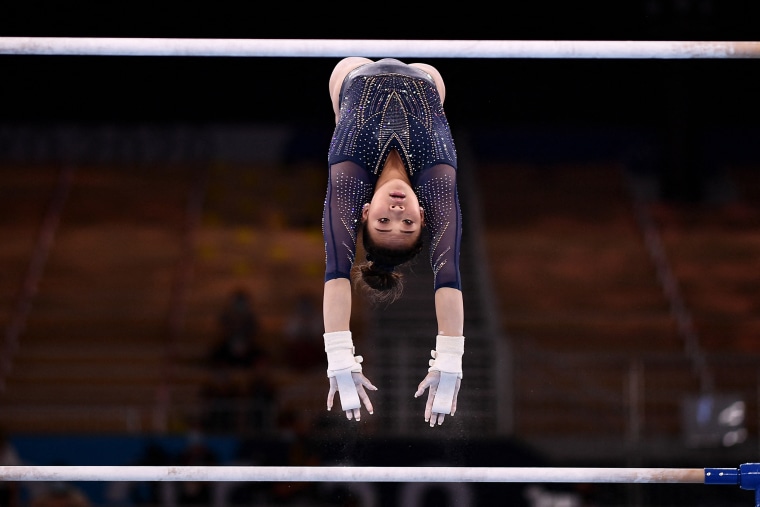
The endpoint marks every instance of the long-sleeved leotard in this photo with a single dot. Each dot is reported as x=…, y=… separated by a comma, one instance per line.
x=388, y=105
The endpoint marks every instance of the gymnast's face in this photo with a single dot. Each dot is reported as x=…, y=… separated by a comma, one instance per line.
x=394, y=217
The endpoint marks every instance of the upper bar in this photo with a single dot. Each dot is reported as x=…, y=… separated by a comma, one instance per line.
x=562, y=49
x=351, y=474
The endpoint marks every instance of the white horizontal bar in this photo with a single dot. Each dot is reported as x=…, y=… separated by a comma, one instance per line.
x=378, y=48
x=350, y=474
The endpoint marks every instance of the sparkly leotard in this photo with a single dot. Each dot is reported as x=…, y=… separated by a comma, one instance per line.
x=387, y=105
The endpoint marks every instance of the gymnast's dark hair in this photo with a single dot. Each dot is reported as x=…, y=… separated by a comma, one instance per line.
x=378, y=275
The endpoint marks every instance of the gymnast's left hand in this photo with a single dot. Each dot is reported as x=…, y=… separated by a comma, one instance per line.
x=361, y=383
x=431, y=382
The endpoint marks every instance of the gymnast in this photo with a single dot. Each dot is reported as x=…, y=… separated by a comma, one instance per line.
x=392, y=177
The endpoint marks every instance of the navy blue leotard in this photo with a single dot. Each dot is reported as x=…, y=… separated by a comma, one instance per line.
x=387, y=105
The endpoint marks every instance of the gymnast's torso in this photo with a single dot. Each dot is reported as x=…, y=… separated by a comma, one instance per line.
x=384, y=106
x=388, y=105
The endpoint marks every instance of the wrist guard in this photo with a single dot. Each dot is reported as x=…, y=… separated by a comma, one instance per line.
x=340, y=353
x=447, y=356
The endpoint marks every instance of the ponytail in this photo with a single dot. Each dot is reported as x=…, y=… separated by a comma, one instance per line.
x=378, y=275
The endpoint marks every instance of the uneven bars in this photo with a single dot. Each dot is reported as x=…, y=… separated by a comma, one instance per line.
x=350, y=474
x=589, y=49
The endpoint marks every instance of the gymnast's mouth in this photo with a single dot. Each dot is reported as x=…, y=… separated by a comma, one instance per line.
x=397, y=195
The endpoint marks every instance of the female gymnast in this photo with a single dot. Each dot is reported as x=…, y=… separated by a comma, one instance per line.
x=392, y=164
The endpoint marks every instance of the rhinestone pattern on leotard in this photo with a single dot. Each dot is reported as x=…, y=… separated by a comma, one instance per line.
x=350, y=194
x=438, y=197
x=382, y=112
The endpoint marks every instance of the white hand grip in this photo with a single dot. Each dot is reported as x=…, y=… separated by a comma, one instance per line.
x=349, y=397
x=444, y=396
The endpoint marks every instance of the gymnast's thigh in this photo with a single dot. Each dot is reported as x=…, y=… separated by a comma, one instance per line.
x=342, y=68
x=435, y=75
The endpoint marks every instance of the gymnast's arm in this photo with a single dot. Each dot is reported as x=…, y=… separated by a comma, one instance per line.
x=444, y=376
x=337, y=316
x=348, y=187
x=337, y=305
x=449, y=310
x=439, y=198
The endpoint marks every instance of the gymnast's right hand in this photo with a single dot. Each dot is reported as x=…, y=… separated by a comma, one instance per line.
x=352, y=395
x=345, y=373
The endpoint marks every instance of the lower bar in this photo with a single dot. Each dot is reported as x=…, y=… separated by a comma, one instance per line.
x=350, y=474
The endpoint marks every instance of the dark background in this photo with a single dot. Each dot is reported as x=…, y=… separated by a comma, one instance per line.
x=289, y=90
